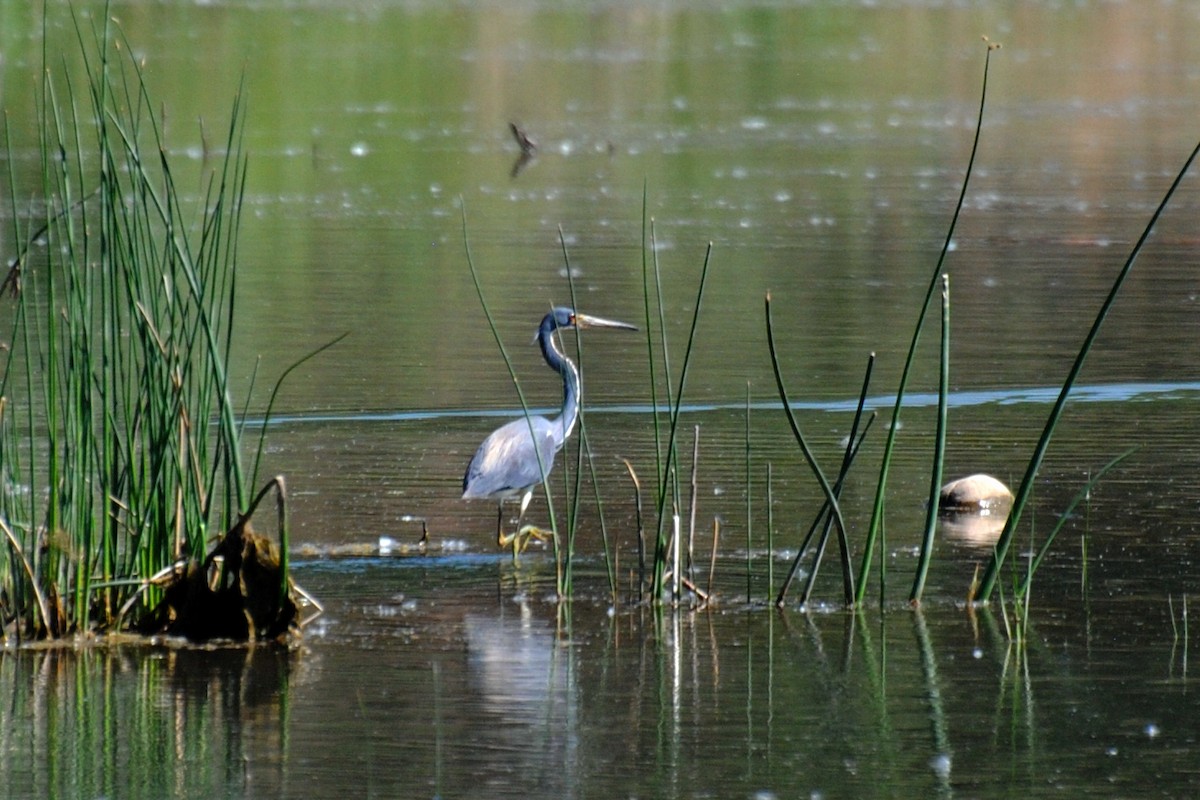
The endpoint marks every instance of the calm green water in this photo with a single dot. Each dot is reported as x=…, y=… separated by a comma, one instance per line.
x=820, y=148
x=477, y=688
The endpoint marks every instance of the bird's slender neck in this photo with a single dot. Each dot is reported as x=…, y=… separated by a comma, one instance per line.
x=570, y=375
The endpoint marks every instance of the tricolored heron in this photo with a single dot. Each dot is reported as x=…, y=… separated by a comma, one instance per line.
x=507, y=465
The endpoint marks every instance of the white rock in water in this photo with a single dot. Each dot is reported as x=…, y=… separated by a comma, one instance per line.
x=975, y=493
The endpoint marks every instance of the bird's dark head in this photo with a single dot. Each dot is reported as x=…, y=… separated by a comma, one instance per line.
x=559, y=318
x=563, y=318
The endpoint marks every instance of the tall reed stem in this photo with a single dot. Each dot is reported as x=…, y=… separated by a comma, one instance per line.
x=559, y=582
x=877, y=521
x=991, y=573
x=939, y=452
x=665, y=479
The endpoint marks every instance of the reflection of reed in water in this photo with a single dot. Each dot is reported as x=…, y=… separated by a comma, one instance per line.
x=153, y=721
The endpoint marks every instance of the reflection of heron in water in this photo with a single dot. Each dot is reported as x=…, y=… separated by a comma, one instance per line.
x=516, y=665
x=527, y=690
x=511, y=461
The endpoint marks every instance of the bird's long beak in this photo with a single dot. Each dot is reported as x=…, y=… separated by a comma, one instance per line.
x=585, y=321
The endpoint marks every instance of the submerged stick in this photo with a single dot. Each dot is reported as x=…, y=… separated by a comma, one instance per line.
x=641, y=529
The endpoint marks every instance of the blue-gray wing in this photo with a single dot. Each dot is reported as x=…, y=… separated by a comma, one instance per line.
x=506, y=463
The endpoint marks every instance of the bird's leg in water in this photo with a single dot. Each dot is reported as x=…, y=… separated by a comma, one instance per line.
x=515, y=538
x=527, y=532
x=520, y=538
x=500, y=523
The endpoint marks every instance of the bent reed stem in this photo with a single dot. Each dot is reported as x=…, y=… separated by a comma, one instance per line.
x=818, y=473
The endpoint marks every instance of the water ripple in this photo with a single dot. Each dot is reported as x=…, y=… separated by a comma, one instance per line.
x=1042, y=395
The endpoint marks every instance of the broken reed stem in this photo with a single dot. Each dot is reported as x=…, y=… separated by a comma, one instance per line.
x=641, y=528
x=284, y=537
x=676, y=572
x=692, y=502
x=1185, y=630
x=15, y=548
x=712, y=557
x=669, y=477
x=701, y=595
x=749, y=499
x=770, y=537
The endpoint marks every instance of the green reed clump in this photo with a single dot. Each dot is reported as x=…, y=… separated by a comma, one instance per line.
x=854, y=592
x=668, y=503
x=119, y=451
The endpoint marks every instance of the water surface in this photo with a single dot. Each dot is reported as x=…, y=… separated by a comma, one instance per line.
x=820, y=148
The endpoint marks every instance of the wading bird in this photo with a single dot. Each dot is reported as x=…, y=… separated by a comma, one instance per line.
x=507, y=465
